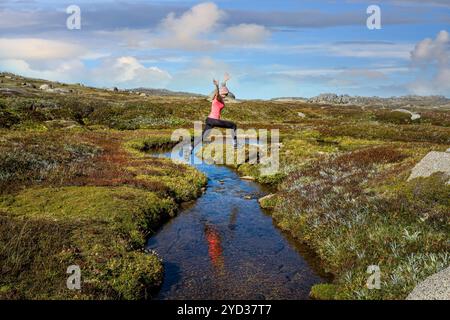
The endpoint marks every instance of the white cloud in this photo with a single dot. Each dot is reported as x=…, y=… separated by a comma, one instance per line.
x=38, y=49
x=244, y=34
x=63, y=61
x=16, y=19
x=344, y=73
x=354, y=49
x=190, y=30
x=431, y=58
x=128, y=72
x=429, y=50
x=125, y=72
x=66, y=71
x=199, y=29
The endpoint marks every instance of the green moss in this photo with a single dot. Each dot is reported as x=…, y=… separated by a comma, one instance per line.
x=135, y=275
x=323, y=291
x=268, y=202
x=153, y=142
x=103, y=225
x=184, y=186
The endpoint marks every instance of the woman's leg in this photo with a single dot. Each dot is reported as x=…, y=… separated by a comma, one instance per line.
x=224, y=124
x=196, y=141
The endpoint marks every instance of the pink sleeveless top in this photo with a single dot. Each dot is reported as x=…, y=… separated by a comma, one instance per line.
x=216, y=108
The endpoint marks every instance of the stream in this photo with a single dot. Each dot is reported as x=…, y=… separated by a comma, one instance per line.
x=224, y=246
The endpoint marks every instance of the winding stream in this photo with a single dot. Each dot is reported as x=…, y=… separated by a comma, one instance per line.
x=224, y=246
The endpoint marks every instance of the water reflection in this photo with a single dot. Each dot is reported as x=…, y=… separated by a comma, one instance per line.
x=233, y=218
x=215, y=249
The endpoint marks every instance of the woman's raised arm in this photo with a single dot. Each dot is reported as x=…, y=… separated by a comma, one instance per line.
x=217, y=91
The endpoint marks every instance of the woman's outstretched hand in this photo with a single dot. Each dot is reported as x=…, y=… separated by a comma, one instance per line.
x=226, y=77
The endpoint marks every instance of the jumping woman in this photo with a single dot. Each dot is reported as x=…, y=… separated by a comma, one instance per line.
x=218, y=103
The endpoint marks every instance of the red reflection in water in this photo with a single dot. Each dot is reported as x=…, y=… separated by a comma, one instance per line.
x=214, y=246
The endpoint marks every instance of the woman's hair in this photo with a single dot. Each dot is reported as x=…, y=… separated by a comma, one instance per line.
x=223, y=89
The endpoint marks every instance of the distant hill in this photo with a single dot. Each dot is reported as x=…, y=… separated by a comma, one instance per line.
x=412, y=100
x=165, y=92
x=391, y=102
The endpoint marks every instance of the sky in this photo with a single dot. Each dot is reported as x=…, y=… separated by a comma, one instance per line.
x=278, y=48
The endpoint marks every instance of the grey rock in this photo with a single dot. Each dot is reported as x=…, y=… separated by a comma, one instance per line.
x=414, y=116
x=59, y=90
x=230, y=98
x=433, y=162
x=62, y=124
x=435, y=287
x=392, y=102
x=265, y=198
x=13, y=92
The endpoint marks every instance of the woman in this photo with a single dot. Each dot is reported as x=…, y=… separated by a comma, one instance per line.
x=217, y=105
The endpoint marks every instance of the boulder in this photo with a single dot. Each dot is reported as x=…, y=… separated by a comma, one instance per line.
x=301, y=114
x=44, y=87
x=414, y=116
x=62, y=124
x=433, y=162
x=28, y=85
x=13, y=92
x=230, y=98
x=267, y=202
x=247, y=178
x=59, y=90
x=435, y=287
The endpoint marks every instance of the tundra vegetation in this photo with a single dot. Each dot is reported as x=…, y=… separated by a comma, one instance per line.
x=77, y=186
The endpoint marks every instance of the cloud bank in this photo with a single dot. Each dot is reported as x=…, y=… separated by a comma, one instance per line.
x=431, y=59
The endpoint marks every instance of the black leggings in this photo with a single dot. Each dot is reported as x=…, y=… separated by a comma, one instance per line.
x=216, y=123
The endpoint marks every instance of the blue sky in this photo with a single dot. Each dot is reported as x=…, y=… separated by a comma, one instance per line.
x=270, y=48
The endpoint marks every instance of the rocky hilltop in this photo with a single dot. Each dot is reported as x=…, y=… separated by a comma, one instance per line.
x=391, y=102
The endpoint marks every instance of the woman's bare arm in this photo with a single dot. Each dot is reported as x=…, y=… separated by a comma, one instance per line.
x=226, y=77
x=217, y=91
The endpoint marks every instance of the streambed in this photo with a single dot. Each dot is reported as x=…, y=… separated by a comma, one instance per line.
x=224, y=246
